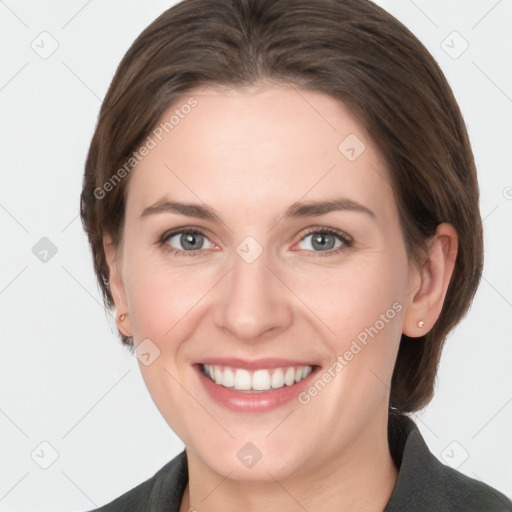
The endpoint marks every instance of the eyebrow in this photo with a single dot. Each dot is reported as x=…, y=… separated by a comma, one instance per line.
x=295, y=211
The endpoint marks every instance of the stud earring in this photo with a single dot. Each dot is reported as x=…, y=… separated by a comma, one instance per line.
x=421, y=323
x=122, y=317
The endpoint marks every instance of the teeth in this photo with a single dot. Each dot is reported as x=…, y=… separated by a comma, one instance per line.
x=259, y=380
x=228, y=378
x=242, y=380
x=277, y=380
x=289, y=376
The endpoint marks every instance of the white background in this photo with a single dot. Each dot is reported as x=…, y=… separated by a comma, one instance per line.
x=66, y=379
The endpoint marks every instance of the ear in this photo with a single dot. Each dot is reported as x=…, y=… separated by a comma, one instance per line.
x=116, y=285
x=429, y=283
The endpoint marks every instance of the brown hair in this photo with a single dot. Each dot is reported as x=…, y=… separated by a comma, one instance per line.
x=352, y=50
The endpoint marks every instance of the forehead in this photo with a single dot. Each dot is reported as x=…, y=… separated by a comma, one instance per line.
x=258, y=147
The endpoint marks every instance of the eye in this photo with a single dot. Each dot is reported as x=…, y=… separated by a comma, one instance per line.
x=324, y=240
x=188, y=241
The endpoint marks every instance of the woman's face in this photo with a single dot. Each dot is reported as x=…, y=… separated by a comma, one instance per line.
x=251, y=283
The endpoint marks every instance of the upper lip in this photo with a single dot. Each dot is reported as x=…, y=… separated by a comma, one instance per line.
x=256, y=364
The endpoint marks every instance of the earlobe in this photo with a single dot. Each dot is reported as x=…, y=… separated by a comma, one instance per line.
x=429, y=283
x=120, y=319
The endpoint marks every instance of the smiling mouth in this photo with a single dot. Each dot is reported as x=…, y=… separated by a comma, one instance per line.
x=240, y=379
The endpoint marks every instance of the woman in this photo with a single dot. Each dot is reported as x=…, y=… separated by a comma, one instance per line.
x=282, y=206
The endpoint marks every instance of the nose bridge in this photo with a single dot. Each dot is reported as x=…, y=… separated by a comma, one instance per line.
x=252, y=302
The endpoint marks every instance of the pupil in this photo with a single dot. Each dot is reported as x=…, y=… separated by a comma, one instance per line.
x=189, y=240
x=320, y=239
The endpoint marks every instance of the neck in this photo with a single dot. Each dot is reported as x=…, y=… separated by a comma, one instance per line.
x=360, y=478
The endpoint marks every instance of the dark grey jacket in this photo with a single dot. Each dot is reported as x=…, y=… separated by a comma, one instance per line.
x=424, y=484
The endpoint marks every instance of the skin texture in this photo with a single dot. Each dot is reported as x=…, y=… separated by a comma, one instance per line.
x=249, y=154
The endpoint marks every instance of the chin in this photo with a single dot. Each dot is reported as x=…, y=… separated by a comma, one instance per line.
x=253, y=461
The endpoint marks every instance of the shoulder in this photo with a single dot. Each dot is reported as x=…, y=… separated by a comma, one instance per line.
x=134, y=499
x=162, y=491
x=425, y=483
x=469, y=494
x=461, y=492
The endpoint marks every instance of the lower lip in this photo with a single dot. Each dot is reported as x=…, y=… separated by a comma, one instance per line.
x=259, y=401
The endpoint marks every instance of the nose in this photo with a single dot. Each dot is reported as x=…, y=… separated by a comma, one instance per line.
x=254, y=301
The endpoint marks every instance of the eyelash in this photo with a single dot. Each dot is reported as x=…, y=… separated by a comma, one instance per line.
x=345, y=239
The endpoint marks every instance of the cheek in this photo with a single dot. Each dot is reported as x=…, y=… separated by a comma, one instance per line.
x=370, y=327
x=161, y=299
x=359, y=311
x=352, y=298
x=360, y=307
